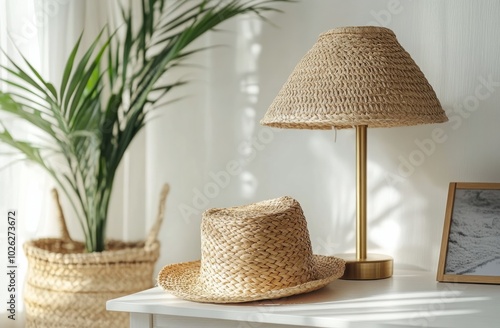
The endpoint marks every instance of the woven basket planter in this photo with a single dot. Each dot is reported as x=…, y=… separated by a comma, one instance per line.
x=67, y=287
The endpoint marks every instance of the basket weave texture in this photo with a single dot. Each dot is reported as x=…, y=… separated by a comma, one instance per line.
x=355, y=76
x=68, y=288
x=252, y=252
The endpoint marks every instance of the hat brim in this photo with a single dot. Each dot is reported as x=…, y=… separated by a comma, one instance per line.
x=183, y=281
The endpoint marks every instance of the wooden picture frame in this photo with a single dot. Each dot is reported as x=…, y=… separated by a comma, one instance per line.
x=470, y=248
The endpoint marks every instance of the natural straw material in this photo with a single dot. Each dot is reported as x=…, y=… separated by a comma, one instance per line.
x=67, y=287
x=252, y=252
x=355, y=76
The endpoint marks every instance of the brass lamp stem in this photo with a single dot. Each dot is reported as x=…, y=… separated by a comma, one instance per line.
x=361, y=192
x=361, y=266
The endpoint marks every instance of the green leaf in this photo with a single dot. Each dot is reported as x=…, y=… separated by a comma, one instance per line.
x=26, y=78
x=34, y=116
x=31, y=152
x=80, y=71
x=48, y=85
x=107, y=96
x=69, y=66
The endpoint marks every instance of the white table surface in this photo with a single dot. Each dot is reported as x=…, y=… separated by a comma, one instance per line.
x=408, y=299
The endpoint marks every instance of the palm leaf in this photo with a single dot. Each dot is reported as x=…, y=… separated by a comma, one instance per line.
x=69, y=67
x=107, y=95
x=23, y=76
x=75, y=76
x=33, y=116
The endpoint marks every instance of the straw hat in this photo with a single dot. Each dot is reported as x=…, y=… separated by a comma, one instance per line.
x=253, y=252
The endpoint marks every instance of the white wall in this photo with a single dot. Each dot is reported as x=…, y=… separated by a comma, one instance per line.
x=455, y=43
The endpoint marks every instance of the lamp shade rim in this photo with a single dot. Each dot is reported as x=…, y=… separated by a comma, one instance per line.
x=328, y=124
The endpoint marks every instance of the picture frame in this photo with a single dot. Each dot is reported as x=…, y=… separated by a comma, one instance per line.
x=470, y=246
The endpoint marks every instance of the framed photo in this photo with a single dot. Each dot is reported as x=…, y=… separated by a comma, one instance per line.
x=470, y=249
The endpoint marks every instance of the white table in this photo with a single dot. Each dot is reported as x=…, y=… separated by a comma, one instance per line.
x=408, y=299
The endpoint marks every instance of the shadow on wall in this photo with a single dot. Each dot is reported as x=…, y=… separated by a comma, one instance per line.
x=410, y=167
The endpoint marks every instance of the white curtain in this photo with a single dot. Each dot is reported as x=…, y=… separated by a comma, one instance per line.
x=43, y=31
x=23, y=187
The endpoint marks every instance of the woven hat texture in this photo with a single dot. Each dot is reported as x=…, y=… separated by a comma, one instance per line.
x=355, y=76
x=252, y=252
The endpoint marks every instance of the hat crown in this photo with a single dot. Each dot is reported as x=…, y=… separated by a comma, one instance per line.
x=258, y=247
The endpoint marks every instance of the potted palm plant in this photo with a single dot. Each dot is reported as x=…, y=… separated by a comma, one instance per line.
x=106, y=93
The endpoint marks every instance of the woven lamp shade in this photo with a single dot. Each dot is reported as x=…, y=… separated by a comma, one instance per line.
x=355, y=76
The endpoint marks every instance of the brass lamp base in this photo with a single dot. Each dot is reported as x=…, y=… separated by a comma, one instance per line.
x=375, y=266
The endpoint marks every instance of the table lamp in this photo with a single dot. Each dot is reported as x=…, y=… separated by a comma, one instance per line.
x=356, y=77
